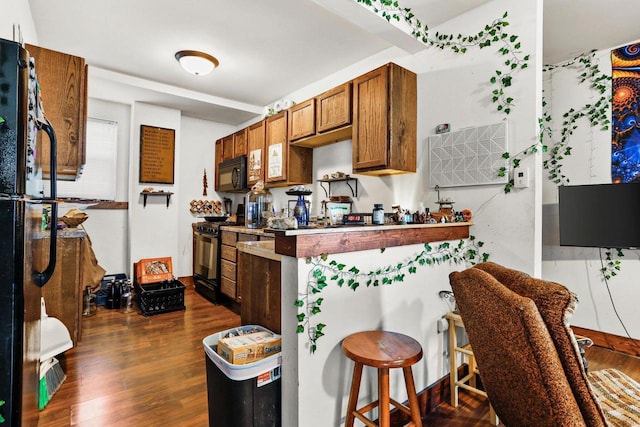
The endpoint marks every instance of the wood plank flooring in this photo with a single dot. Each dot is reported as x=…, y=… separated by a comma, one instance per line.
x=130, y=370
x=473, y=410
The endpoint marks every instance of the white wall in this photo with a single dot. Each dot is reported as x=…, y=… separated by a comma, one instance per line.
x=197, y=155
x=17, y=12
x=157, y=230
x=108, y=228
x=451, y=89
x=153, y=229
x=589, y=163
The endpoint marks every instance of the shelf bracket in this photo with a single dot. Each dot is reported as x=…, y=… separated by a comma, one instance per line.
x=347, y=180
x=146, y=193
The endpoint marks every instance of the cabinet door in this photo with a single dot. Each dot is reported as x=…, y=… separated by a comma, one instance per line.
x=302, y=120
x=62, y=295
x=334, y=108
x=256, y=149
x=240, y=143
x=370, y=130
x=63, y=79
x=277, y=147
x=227, y=147
x=218, y=158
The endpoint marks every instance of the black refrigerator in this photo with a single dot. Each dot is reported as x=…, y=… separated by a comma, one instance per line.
x=25, y=214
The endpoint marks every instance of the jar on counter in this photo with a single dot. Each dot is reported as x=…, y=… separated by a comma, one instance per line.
x=378, y=214
x=258, y=206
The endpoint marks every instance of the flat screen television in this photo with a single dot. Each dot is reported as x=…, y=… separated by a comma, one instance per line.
x=602, y=216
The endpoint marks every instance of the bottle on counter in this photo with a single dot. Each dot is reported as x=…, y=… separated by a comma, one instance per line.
x=378, y=214
x=300, y=211
x=258, y=207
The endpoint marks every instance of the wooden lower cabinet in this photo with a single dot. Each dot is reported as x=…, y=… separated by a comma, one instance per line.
x=228, y=262
x=262, y=300
x=63, y=293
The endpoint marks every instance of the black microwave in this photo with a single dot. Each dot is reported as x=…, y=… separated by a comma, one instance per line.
x=232, y=175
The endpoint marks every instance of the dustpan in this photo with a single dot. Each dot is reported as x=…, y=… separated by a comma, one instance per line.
x=54, y=336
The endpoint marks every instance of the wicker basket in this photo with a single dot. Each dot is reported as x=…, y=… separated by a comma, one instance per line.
x=74, y=218
x=73, y=222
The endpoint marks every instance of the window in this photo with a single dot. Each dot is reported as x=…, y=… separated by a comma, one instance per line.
x=98, y=179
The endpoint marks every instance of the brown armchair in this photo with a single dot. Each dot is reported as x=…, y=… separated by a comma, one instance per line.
x=529, y=361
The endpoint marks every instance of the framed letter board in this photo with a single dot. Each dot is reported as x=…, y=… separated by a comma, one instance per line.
x=157, y=152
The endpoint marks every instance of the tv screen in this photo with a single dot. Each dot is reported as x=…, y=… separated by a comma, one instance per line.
x=603, y=216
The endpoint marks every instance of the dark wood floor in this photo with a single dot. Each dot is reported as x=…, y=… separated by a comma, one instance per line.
x=473, y=410
x=131, y=370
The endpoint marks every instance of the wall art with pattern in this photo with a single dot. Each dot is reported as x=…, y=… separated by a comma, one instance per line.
x=625, y=129
x=470, y=156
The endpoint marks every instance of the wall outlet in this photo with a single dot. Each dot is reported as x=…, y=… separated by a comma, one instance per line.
x=521, y=178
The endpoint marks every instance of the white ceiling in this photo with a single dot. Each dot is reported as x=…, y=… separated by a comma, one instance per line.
x=269, y=49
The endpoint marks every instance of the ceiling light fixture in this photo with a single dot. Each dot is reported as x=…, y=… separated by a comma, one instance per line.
x=195, y=62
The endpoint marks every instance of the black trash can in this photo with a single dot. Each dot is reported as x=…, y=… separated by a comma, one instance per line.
x=242, y=395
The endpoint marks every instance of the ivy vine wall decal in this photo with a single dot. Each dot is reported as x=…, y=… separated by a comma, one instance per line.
x=494, y=33
x=322, y=273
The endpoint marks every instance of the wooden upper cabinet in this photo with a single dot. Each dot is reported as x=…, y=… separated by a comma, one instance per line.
x=63, y=82
x=285, y=164
x=240, y=143
x=332, y=115
x=218, y=158
x=302, y=120
x=277, y=147
x=334, y=108
x=385, y=121
x=227, y=148
x=256, y=152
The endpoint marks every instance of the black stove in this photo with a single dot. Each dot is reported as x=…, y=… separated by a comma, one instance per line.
x=206, y=257
x=213, y=228
x=208, y=227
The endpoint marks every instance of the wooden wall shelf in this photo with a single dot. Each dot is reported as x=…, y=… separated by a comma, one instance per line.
x=144, y=194
x=347, y=180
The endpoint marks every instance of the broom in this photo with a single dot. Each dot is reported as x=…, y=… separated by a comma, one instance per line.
x=51, y=378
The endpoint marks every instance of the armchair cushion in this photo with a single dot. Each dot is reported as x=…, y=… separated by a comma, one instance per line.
x=556, y=305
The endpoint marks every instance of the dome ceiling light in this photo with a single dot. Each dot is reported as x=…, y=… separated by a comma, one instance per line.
x=195, y=62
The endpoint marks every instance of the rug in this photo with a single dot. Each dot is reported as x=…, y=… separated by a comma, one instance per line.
x=619, y=396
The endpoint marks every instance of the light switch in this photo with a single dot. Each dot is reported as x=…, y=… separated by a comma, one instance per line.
x=521, y=178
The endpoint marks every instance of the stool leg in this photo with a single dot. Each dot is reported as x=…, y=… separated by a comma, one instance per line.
x=353, y=394
x=413, y=397
x=472, y=369
x=453, y=364
x=384, y=416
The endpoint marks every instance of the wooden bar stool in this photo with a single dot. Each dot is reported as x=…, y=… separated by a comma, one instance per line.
x=382, y=350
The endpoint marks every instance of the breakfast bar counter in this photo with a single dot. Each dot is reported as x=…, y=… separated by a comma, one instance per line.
x=280, y=291
x=307, y=242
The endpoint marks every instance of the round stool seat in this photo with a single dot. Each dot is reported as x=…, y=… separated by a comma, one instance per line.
x=382, y=349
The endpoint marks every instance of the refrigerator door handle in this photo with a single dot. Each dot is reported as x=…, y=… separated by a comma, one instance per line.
x=43, y=277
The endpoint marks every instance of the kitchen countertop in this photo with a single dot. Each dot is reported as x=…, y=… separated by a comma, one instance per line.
x=264, y=249
x=308, y=242
x=245, y=230
x=359, y=228
x=314, y=241
x=63, y=233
